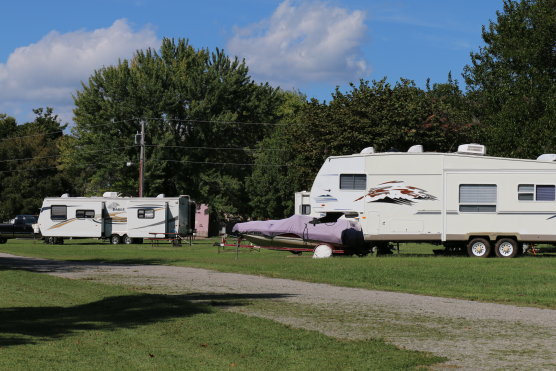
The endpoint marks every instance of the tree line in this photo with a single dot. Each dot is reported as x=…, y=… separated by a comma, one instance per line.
x=245, y=147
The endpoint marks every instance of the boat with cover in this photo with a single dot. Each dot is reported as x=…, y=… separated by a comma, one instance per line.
x=301, y=231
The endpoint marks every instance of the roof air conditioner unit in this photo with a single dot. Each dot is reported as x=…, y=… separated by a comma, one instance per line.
x=162, y=195
x=368, y=150
x=415, y=149
x=110, y=194
x=547, y=157
x=472, y=149
x=65, y=195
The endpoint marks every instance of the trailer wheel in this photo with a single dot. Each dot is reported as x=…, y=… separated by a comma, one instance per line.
x=115, y=239
x=506, y=248
x=128, y=240
x=478, y=248
x=51, y=240
x=322, y=251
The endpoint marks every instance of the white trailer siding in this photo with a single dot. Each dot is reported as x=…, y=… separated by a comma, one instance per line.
x=78, y=218
x=147, y=218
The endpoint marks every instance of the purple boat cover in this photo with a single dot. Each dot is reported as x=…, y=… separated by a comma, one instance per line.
x=342, y=231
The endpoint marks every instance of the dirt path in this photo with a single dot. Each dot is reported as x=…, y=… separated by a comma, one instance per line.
x=472, y=335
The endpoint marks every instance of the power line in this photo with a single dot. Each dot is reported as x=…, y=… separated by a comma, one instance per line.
x=153, y=146
x=54, y=156
x=224, y=122
x=159, y=161
x=217, y=148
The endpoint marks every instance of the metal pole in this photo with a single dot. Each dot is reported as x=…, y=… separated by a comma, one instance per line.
x=142, y=159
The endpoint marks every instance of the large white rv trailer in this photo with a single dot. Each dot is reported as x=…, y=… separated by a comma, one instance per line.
x=121, y=219
x=464, y=200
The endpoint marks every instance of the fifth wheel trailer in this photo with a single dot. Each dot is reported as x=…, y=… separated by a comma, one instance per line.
x=120, y=219
x=464, y=200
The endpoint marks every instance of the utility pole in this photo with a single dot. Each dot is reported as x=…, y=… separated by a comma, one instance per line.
x=142, y=159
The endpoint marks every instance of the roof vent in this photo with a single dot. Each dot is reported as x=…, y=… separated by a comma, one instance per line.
x=368, y=150
x=415, y=149
x=110, y=194
x=472, y=149
x=162, y=195
x=547, y=157
x=65, y=195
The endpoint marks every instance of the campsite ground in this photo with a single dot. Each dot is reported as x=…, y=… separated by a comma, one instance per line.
x=470, y=334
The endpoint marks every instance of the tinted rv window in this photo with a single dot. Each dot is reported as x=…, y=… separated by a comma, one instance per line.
x=477, y=198
x=145, y=214
x=82, y=214
x=305, y=209
x=353, y=181
x=59, y=212
x=545, y=193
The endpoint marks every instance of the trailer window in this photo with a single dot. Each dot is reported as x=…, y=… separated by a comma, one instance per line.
x=531, y=192
x=58, y=212
x=526, y=192
x=305, y=209
x=84, y=214
x=477, y=198
x=145, y=214
x=353, y=181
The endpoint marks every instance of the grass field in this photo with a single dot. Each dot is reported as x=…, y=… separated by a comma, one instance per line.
x=527, y=280
x=54, y=323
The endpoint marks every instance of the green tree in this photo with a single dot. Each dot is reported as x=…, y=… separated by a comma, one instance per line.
x=193, y=102
x=276, y=176
x=28, y=163
x=512, y=79
x=385, y=116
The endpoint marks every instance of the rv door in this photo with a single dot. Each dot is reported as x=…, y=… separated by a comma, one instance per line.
x=184, y=217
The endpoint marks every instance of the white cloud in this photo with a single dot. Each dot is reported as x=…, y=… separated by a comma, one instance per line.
x=304, y=42
x=48, y=72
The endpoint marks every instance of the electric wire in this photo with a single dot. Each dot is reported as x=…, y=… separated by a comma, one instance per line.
x=225, y=122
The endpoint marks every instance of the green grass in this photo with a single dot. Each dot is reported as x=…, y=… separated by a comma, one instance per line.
x=54, y=323
x=527, y=280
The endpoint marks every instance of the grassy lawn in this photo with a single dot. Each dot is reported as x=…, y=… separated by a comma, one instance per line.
x=54, y=323
x=529, y=280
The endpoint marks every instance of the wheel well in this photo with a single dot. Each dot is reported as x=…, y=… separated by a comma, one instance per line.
x=479, y=236
x=509, y=236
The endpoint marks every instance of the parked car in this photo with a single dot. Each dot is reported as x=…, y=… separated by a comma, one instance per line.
x=19, y=227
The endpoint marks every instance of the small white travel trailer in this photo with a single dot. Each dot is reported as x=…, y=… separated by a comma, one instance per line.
x=121, y=219
x=464, y=200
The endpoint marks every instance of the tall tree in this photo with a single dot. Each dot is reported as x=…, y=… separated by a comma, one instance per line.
x=512, y=79
x=28, y=163
x=194, y=103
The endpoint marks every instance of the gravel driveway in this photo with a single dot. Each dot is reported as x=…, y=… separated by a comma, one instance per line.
x=471, y=335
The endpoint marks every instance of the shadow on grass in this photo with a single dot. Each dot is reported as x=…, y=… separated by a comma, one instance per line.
x=30, y=325
x=52, y=266
x=231, y=300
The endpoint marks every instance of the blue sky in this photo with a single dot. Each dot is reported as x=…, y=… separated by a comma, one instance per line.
x=48, y=47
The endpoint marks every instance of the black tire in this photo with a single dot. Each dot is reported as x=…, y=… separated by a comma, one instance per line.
x=115, y=239
x=506, y=248
x=128, y=240
x=479, y=248
x=59, y=241
x=51, y=240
